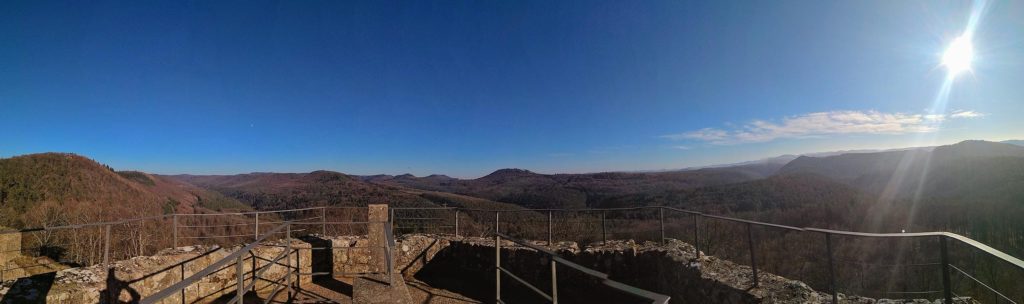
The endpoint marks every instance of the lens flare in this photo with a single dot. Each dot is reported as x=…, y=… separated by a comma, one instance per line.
x=958, y=56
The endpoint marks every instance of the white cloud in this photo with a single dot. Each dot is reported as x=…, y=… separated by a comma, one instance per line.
x=681, y=147
x=822, y=124
x=965, y=114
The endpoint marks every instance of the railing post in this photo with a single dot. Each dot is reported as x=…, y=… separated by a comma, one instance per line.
x=111, y=291
x=253, y=255
x=831, y=269
x=554, y=281
x=604, y=233
x=549, y=229
x=497, y=221
x=323, y=221
x=256, y=235
x=239, y=272
x=661, y=216
x=106, y=248
x=696, y=236
x=750, y=243
x=175, y=225
x=288, y=247
x=456, y=223
x=497, y=266
x=946, y=285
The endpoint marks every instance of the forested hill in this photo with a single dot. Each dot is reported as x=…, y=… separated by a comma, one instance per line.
x=534, y=190
x=54, y=188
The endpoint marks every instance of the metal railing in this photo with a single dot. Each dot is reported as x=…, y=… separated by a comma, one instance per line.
x=555, y=260
x=293, y=271
x=943, y=238
x=102, y=242
x=237, y=257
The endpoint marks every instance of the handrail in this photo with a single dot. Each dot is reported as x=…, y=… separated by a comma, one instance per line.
x=214, y=267
x=656, y=298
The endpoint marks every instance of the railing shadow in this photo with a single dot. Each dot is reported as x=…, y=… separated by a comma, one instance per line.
x=115, y=287
x=31, y=289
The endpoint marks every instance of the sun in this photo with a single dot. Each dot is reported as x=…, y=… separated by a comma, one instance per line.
x=958, y=56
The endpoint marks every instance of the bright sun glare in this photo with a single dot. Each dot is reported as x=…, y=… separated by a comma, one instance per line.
x=959, y=55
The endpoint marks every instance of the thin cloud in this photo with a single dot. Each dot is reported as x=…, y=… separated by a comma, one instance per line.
x=681, y=147
x=821, y=124
x=965, y=114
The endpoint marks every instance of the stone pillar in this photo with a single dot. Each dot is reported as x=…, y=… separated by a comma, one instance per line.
x=378, y=218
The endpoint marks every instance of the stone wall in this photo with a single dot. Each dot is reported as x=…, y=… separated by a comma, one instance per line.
x=136, y=278
x=10, y=246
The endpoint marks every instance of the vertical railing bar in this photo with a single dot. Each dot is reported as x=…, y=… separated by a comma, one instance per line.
x=106, y=264
x=323, y=220
x=750, y=243
x=253, y=255
x=554, y=282
x=831, y=269
x=696, y=236
x=604, y=233
x=239, y=291
x=456, y=223
x=106, y=248
x=497, y=222
x=661, y=216
x=175, y=228
x=946, y=284
x=497, y=265
x=550, y=238
x=288, y=247
x=256, y=236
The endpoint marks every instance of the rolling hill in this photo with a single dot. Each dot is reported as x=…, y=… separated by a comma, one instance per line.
x=68, y=188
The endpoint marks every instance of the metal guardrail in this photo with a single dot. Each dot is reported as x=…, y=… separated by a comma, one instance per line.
x=238, y=255
x=237, y=258
x=943, y=239
x=555, y=260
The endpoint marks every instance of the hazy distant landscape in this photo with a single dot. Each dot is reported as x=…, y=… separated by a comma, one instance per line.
x=974, y=188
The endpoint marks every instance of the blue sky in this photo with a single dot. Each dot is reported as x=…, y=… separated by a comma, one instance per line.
x=466, y=87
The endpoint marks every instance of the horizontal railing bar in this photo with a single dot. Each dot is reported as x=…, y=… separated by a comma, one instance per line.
x=181, y=285
x=422, y=218
x=214, y=236
x=425, y=227
x=334, y=223
x=214, y=226
x=656, y=297
x=981, y=283
x=588, y=271
x=79, y=226
x=752, y=222
x=913, y=292
x=524, y=282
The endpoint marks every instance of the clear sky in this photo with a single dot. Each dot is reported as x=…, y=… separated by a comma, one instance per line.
x=467, y=87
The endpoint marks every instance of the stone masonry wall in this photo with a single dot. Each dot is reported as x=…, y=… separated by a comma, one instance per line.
x=10, y=246
x=139, y=277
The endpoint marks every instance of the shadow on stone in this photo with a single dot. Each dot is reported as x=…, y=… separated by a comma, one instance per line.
x=322, y=261
x=31, y=289
x=115, y=287
x=333, y=285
